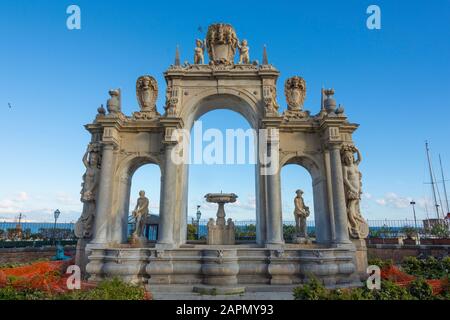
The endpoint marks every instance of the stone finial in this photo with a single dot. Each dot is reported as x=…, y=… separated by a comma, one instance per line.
x=265, y=60
x=101, y=110
x=340, y=110
x=114, y=103
x=329, y=102
x=177, y=57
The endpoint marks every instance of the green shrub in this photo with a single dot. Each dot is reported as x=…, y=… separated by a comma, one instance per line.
x=430, y=268
x=289, y=232
x=10, y=293
x=391, y=291
x=420, y=289
x=409, y=231
x=191, y=232
x=114, y=289
x=440, y=230
x=313, y=290
x=381, y=263
x=351, y=294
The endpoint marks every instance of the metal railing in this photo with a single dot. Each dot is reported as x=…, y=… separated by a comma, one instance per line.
x=36, y=234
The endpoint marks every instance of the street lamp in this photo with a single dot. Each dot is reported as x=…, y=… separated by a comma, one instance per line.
x=199, y=215
x=413, y=203
x=56, y=215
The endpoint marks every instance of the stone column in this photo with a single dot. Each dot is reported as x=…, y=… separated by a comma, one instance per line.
x=102, y=218
x=337, y=182
x=168, y=199
x=275, y=223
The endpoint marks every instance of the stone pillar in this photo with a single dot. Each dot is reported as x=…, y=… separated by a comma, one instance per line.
x=340, y=210
x=168, y=199
x=119, y=231
x=102, y=218
x=275, y=219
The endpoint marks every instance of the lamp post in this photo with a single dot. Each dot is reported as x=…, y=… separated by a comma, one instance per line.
x=413, y=203
x=199, y=215
x=56, y=216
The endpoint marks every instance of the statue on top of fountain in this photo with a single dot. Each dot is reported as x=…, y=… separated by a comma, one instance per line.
x=244, y=56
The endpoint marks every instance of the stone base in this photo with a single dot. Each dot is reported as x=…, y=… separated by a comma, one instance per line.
x=225, y=266
x=139, y=241
x=301, y=240
x=221, y=234
x=81, y=255
x=361, y=257
x=221, y=290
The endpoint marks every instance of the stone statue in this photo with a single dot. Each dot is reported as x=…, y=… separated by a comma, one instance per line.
x=113, y=103
x=270, y=97
x=301, y=212
x=244, y=56
x=140, y=213
x=295, y=92
x=171, y=100
x=146, y=93
x=199, y=56
x=357, y=226
x=91, y=161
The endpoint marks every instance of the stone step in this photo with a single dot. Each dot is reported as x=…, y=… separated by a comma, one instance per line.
x=244, y=296
x=179, y=288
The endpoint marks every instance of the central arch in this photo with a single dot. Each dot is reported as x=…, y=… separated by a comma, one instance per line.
x=241, y=102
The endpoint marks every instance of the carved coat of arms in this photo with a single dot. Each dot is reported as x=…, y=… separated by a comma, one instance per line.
x=146, y=92
x=295, y=92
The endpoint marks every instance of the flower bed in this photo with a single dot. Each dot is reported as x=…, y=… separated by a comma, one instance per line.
x=48, y=280
x=426, y=279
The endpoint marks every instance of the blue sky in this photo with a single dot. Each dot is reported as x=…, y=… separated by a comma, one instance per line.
x=393, y=81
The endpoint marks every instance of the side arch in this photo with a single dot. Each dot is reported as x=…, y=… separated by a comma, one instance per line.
x=124, y=173
x=320, y=196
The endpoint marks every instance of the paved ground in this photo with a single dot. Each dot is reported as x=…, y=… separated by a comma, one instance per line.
x=245, y=296
x=253, y=292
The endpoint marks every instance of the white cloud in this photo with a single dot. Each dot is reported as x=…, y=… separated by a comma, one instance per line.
x=22, y=196
x=393, y=200
x=38, y=207
x=367, y=195
x=396, y=201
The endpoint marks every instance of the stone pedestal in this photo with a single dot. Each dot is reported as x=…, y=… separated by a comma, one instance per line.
x=81, y=255
x=361, y=257
x=220, y=267
x=139, y=241
x=301, y=240
x=220, y=234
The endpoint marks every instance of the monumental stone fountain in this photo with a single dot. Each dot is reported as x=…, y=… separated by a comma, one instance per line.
x=319, y=141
